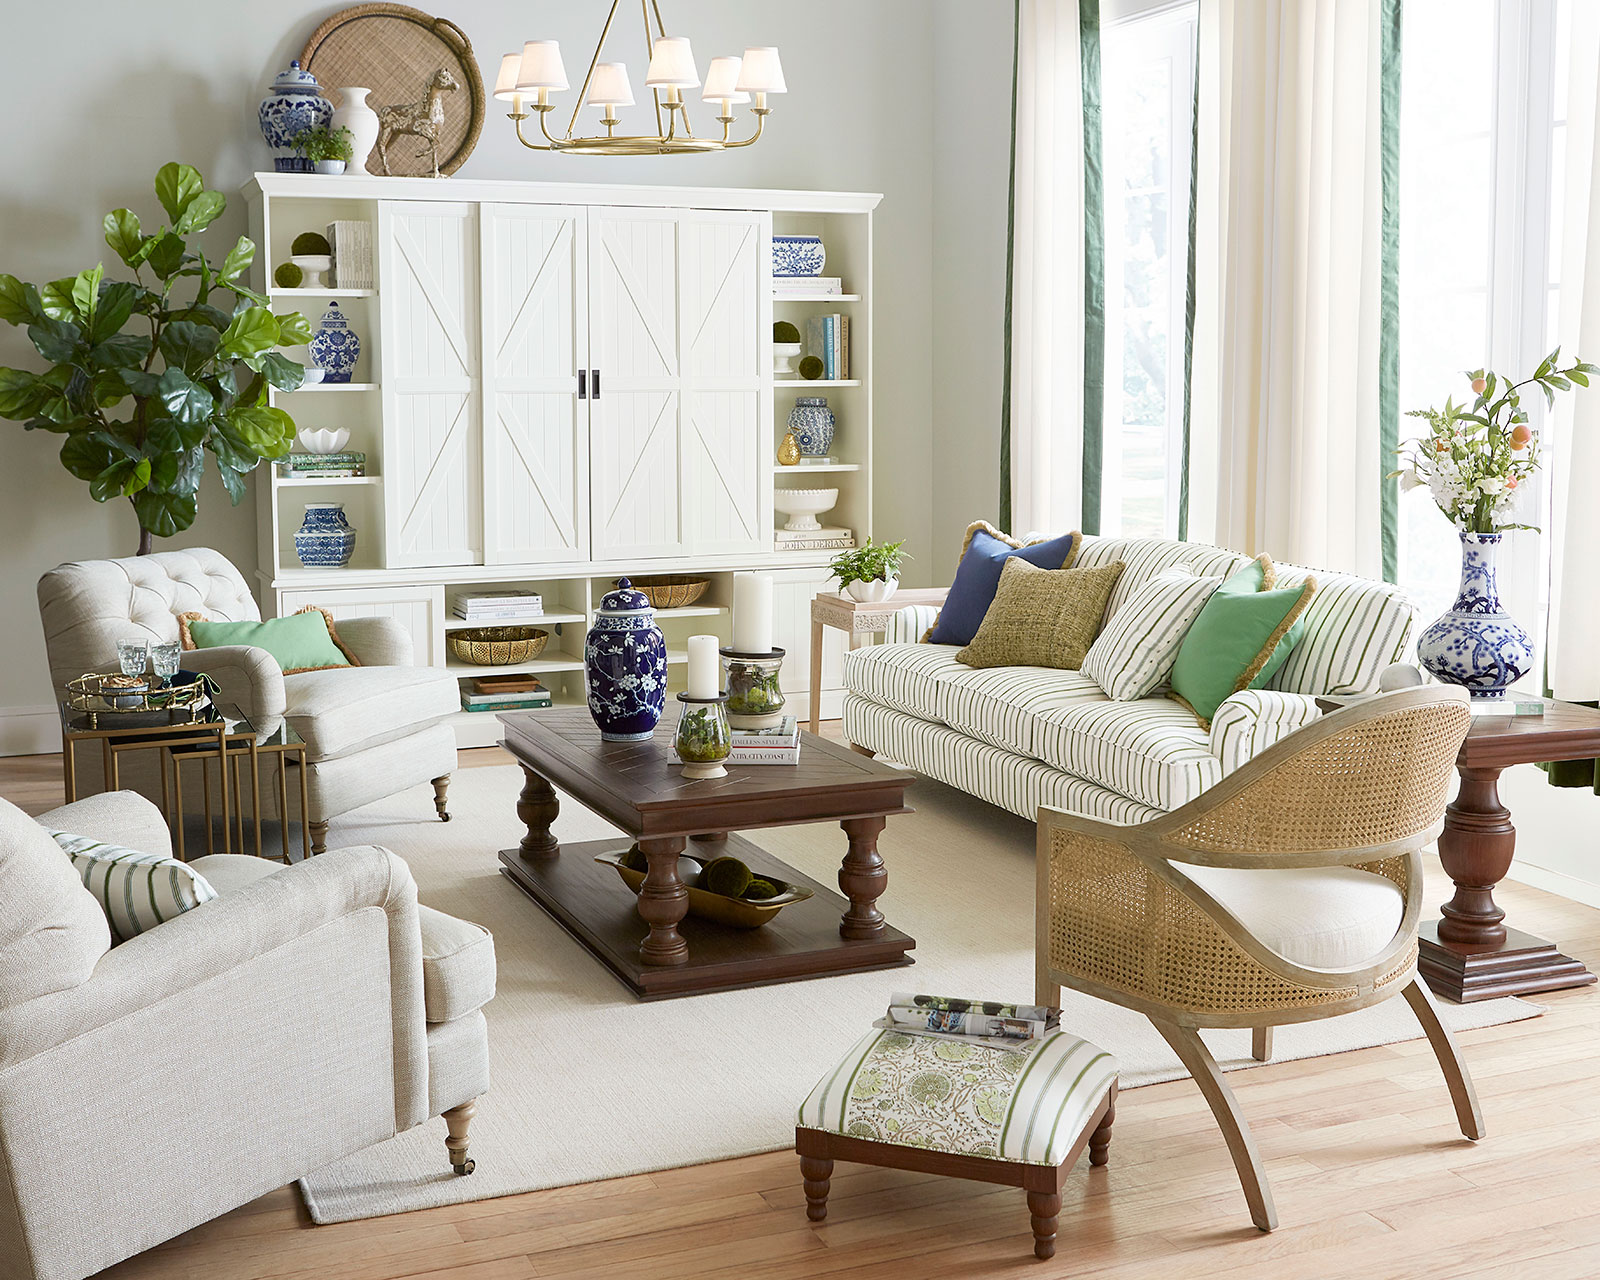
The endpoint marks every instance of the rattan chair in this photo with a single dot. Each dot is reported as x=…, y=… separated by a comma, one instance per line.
x=1187, y=918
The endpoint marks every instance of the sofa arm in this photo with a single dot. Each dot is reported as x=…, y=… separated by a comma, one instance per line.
x=114, y=817
x=377, y=641
x=910, y=623
x=248, y=678
x=1247, y=723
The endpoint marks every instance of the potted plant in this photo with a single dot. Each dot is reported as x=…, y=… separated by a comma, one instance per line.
x=143, y=384
x=870, y=573
x=328, y=150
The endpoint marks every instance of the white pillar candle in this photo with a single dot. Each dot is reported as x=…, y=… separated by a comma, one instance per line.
x=752, y=612
x=705, y=669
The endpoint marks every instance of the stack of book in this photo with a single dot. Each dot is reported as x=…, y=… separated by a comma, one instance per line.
x=828, y=337
x=826, y=538
x=352, y=254
x=347, y=462
x=506, y=606
x=777, y=745
x=803, y=286
x=514, y=691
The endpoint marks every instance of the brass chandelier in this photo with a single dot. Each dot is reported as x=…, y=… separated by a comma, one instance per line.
x=527, y=80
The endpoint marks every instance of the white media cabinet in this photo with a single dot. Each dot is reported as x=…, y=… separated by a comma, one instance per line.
x=561, y=384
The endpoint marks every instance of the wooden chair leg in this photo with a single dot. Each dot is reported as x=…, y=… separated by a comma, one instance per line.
x=1261, y=1044
x=1100, y=1139
x=1465, y=1097
x=1194, y=1055
x=817, y=1173
x=862, y=751
x=440, y=786
x=457, y=1121
x=319, y=837
x=1044, y=1208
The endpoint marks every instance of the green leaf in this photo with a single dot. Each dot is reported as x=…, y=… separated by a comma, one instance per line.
x=122, y=234
x=86, y=290
x=176, y=187
x=238, y=260
x=1558, y=382
x=281, y=371
x=58, y=341
x=201, y=212
x=185, y=400
x=250, y=296
x=116, y=304
x=214, y=317
x=232, y=481
x=87, y=453
x=177, y=472
x=57, y=301
x=109, y=389
x=168, y=435
x=21, y=394
x=80, y=394
x=165, y=514
x=1582, y=379
x=187, y=345
x=19, y=301
x=121, y=479
x=294, y=330
x=167, y=254
x=268, y=432
x=253, y=331
x=119, y=351
x=232, y=453
x=140, y=382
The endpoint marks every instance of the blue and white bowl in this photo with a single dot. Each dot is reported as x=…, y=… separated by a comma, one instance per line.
x=812, y=423
x=625, y=664
x=325, y=539
x=294, y=105
x=335, y=346
x=798, y=256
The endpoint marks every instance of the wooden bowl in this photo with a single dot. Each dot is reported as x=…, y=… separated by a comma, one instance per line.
x=497, y=646
x=671, y=590
x=736, y=913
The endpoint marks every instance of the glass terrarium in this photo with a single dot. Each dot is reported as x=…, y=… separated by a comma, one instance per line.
x=754, y=699
x=704, y=739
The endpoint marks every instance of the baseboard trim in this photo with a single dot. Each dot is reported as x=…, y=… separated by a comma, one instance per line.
x=29, y=731
x=1559, y=882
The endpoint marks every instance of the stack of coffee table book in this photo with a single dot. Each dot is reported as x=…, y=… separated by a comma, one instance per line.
x=512, y=691
x=777, y=745
x=505, y=606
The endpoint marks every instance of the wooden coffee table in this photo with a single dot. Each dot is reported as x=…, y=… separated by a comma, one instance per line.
x=632, y=785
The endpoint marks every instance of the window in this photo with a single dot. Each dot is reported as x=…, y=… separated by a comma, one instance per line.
x=1147, y=100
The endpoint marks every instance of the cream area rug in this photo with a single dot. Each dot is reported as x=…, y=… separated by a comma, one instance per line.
x=589, y=1083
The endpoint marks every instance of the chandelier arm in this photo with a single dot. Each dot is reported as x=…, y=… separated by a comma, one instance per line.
x=761, y=119
x=544, y=128
x=532, y=146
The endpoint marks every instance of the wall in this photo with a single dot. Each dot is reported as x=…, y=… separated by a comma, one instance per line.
x=183, y=81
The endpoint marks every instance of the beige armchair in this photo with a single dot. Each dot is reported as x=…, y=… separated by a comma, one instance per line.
x=370, y=731
x=1288, y=892
x=304, y=1014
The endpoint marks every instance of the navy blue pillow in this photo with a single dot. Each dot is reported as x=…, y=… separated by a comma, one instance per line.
x=978, y=577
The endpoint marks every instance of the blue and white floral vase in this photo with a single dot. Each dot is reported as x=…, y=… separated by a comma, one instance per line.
x=1477, y=644
x=325, y=539
x=798, y=256
x=335, y=346
x=812, y=423
x=625, y=664
x=294, y=105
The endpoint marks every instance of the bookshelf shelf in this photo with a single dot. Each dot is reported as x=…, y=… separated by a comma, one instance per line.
x=276, y=292
x=548, y=619
x=308, y=482
x=800, y=384
x=778, y=469
x=331, y=386
x=815, y=297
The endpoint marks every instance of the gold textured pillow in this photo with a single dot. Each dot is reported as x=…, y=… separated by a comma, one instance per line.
x=1042, y=617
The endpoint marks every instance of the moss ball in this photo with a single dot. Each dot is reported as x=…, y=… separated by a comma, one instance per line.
x=760, y=890
x=288, y=276
x=311, y=242
x=811, y=367
x=727, y=876
x=784, y=331
x=635, y=860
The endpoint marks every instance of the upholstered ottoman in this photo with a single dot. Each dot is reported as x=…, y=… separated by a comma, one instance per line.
x=935, y=1105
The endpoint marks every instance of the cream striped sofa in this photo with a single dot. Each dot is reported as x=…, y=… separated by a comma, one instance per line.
x=1021, y=737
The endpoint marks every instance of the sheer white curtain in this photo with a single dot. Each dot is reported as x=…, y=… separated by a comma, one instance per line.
x=1047, y=272
x=1286, y=452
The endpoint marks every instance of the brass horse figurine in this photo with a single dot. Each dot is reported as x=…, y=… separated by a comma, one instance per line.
x=421, y=119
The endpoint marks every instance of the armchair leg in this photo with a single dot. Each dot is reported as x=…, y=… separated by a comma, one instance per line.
x=1194, y=1055
x=457, y=1121
x=319, y=838
x=440, y=786
x=1465, y=1097
x=1261, y=1044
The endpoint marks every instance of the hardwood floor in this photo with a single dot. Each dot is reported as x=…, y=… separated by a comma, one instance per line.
x=1371, y=1177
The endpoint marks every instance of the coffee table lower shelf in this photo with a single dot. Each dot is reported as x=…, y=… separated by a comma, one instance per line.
x=590, y=901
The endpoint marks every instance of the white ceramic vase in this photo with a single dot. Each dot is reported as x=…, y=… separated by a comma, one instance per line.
x=362, y=121
x=874, y=592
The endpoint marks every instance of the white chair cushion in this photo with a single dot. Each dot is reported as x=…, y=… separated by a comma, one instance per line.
x=901, y=676
x=1355, y=627
x=1152, y=751
x=52, y=931
x=1028, y=1106
x=1320, y=917
x=1136, y=649
x=342, y=709
x=1002, y=705
x=137, y=890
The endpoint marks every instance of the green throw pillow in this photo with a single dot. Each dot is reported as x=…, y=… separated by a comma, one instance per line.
x=304, y=641
x=1243, y=635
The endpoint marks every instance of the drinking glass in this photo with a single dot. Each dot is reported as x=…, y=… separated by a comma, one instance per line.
x=132, y=656
x=165, y=659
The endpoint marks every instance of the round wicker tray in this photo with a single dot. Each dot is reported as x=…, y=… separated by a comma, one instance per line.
x=497, y=646
x=671, y=590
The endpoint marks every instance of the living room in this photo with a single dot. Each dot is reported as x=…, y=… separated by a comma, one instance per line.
x=1132, y=812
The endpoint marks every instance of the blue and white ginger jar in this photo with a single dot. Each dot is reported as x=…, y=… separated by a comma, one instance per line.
x=325, y=538
x=335, y=346
x=798, y=256
x=294, y=105
x=812, y=423
x=1477, y=644
x=625, y=662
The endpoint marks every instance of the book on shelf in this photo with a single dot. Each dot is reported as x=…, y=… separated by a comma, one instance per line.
x=510, y=692
x=803, y=285
x=823, y=539
x=507, y=682
x=510, y=606
x=527, y=702
x=351, y=242
x=347, y=462
x=828, y=337
x=827, y=461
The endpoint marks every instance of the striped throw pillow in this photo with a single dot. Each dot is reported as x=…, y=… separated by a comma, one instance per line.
x=1135, y=651
x=136, y=890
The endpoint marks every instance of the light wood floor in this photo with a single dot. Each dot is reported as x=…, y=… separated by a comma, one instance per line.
x=1372, y=1180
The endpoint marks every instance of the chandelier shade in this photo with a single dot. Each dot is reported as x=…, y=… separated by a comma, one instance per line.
x=672, y=64
x=609, y=86
x=541, y=66
x=505, y=84
x=762, y=72
x=722, y=82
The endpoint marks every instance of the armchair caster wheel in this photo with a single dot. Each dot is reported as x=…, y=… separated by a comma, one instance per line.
x=444, y=817
x=440, y=787
x=464, y=1169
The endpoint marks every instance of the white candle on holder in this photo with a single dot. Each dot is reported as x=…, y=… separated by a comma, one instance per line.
x=705, y=670
x=752, y=612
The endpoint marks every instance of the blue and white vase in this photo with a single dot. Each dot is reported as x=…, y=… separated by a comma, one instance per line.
x=798, y=256
x=325, y=538
x=335, y=346
x=294, y=105
x=625, y=663
x=1477, y=644
x=812, y=423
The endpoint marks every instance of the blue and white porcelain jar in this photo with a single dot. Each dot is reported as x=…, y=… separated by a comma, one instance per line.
x=335, y=346
x=294, y=105
x=1477, y=644
x=798, y=256
x=625, y=663
x=325, y=538
x=812, y=423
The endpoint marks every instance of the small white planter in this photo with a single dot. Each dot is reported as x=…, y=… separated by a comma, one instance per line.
x=875, y=592
x=330, y=167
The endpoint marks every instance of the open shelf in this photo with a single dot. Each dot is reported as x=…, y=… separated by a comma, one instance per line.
x=693, y=611
x=339, y=386
x=308, y=482
x=563, y=662
x=815, y=297
x=778, y=469
x=276, y=292
x=801, y=383
x=549, y=618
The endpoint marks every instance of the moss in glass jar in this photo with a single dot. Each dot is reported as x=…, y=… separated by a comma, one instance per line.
x=703, y=736
x=752, y=691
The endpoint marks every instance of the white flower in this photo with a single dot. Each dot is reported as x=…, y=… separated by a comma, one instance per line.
x=1491, y=484
x=1409, y=480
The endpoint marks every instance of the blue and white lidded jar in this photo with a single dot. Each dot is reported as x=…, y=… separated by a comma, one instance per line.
x=798, y=256
x=625, y=665
x=325, y=538
x=335, y=346
x=812, y=423
x=293, y=106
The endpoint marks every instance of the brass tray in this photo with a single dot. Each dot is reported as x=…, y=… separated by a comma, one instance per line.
x=181, y=700
x=736, y=913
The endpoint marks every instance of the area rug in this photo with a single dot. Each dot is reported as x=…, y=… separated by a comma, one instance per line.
x=589, y=1083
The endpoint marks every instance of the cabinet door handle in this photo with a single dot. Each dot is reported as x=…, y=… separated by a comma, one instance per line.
x=583, y=382
x=594, y=381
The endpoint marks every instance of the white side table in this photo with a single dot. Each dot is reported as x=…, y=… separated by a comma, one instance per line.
x=862, y=621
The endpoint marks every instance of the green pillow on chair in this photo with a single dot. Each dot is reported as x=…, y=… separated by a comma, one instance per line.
x=1243, y=635
x=304, y=641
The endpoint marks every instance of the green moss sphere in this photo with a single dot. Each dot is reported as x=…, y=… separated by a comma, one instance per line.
x=635, y=860
x=288, y=276
x=810, y=368
x=727, y=876
x=760, y=890
x=311, y=242
x=783, y=331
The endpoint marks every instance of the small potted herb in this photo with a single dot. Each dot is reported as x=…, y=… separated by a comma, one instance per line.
x=328, y=150
x=870, y=573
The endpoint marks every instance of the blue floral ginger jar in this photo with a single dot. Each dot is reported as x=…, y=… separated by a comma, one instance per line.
x=294, y=105
x=812, y=423
x=1477, y=644
x=335, y=347
x=625, y=663
x=325, y=538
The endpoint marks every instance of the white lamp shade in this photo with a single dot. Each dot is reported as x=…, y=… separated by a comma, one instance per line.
x=505, y=84
x=609, y=87
x=761, y=72
x=672, y=64
x=722, y=81
x=541, y=66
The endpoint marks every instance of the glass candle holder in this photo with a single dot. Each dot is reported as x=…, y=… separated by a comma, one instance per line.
x=754, y=699
x=704, y=740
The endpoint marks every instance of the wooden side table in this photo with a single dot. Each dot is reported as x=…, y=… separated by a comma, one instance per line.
x=1470, y=954
x=861, y=621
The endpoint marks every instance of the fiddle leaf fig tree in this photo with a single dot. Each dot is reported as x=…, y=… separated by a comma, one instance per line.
x=143, y=383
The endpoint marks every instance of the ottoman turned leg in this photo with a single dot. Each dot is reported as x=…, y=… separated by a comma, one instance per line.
x=1100, y=1139
x=817, y=1174
x=1044, y=1209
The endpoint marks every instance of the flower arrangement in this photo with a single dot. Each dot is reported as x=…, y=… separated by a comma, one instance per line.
x=1476, y=459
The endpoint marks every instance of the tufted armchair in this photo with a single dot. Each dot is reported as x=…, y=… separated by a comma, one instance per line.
x=370, y=731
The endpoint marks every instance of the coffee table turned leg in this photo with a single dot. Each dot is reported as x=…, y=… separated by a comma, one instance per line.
x=663, y=902
x=862, y=878
x=537, y=807
x=1475, y=849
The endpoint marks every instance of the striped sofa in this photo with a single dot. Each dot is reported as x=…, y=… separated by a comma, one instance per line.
x=1020, y=737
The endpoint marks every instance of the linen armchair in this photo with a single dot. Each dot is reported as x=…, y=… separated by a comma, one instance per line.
x=1288, y=892
x=370, y=731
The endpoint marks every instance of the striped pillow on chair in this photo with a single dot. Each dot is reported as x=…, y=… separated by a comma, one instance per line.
x=136, y=890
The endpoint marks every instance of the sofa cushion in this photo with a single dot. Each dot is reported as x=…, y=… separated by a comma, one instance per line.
x=1134, y=652
x=977, y=576
x=1001, y=705
x=458, y=968
x=1151, y=751
x=902, y=676
x=1042, y=617
x=52, y=931
x=137, y=890
x=343, y=709
x=1354, y=628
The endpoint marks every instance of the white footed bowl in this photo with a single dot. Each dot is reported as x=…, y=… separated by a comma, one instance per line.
x=784, y=354
x=323, y=439
x=875, y=592
x=803, y=506
x=313, y=264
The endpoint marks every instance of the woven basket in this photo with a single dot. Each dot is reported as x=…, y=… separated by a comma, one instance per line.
x=672, y=590
x=497, y=646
